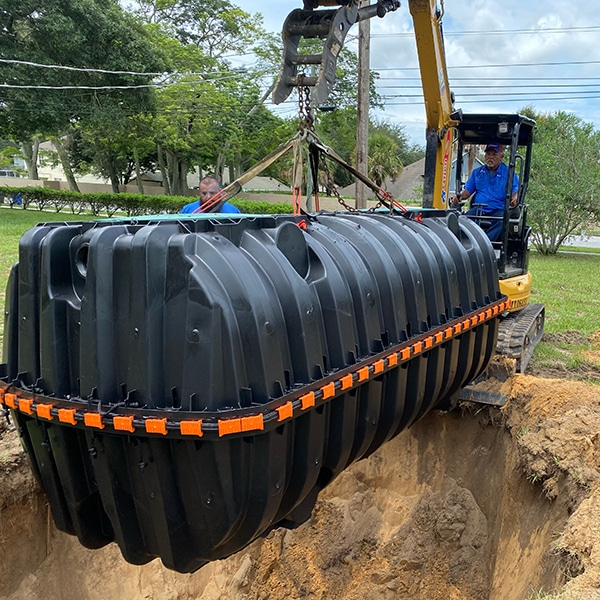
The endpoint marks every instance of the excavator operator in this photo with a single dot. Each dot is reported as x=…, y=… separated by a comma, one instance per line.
x=488, y=182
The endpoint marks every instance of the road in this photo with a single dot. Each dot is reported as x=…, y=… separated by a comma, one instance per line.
x=587, y=241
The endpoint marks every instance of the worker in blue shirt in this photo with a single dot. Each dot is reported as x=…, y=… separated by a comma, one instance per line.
x=489, y=181
x=209, y=186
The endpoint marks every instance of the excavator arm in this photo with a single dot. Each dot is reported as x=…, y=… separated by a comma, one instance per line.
x=439, y=100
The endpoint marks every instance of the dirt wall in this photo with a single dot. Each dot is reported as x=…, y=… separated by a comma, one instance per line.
x=479, y=503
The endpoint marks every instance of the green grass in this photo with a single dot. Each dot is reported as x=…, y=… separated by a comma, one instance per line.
x=569, y=287
x=13, y=223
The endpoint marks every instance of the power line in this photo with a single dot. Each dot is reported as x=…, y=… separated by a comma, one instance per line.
x=79, y=69
x=82, y=87
x=207, y=75
x=586, y=29
x=500, y=66
x=496, y=87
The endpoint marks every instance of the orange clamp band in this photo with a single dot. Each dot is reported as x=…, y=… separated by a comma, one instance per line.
x=26, y=406
x=438, y=337
x=67, y=415
x=44, y=411
x=156, y=426
x=346, y=382
x=378, y=367
x=285, y=412
x=307, y=400
x=428, y=342
x=392, y=359
x=457, y=328
x=252, y=423
x=93, y=420
x=191, y=428
x=328, y=390
x=448, y=332
x=363, y=374
x=417, y=347
x=405, y=353
x=10, y=400
x=229, y=426
x=123, y=423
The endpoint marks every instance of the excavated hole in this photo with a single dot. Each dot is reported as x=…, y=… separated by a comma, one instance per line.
x=474, y=504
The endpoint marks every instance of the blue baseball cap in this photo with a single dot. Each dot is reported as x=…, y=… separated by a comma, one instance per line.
x=495, y=147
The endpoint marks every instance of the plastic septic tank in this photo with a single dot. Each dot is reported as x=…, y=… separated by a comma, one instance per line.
x=182, y=385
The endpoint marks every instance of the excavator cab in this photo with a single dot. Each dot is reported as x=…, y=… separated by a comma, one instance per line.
x=523, y=325
x=515, y=133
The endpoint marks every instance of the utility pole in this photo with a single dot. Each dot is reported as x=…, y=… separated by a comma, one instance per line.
x=362, y=111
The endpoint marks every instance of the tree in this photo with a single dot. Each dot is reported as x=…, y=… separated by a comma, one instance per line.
x=383, y=160
x=200, y=119
x=564, y=190
x=80, y=37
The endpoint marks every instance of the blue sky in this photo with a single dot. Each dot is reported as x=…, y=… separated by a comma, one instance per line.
x=501, y=57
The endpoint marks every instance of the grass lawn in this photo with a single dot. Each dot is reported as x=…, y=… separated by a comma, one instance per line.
x=13, y=222
x=567, y=284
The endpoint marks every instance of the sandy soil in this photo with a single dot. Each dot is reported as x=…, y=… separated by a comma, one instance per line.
x=480, y=503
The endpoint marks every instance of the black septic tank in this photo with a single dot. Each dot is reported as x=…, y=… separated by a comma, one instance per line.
x=184, y=385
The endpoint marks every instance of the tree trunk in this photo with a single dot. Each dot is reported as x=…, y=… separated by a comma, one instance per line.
x=114, y=181
x=178, y=168
x=30, y=150
x=63, y=155
x=138, y=172
x=220, y=166
x=163, y=169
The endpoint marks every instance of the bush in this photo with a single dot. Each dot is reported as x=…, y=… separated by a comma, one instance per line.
x=132, y=205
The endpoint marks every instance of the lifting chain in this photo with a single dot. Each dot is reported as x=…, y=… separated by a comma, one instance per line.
x=333, y=188
x=307, y=121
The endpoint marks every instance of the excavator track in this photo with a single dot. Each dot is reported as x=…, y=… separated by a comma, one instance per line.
x=519, y=333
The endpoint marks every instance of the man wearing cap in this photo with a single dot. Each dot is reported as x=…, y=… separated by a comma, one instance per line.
x=489, y=181
x=209, y=187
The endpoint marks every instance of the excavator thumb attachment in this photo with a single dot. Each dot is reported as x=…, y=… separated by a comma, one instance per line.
x=332, y=26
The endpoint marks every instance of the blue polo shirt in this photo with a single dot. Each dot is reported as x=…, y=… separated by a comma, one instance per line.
x=491, y=191
x=225, y=208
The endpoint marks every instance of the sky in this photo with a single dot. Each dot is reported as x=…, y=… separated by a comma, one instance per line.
x=501, y=57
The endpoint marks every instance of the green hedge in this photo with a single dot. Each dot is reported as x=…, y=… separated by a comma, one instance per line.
x=132, y=205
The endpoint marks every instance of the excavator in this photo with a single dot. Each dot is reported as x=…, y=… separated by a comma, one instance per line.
x=183, y=384
x=450, y=133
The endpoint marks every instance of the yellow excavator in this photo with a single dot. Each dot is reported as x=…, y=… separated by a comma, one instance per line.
x=451, y=136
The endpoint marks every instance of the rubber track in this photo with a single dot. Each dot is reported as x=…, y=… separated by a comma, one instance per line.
x=519, y=333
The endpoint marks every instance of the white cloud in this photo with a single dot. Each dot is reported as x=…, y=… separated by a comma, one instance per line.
x=511, y=36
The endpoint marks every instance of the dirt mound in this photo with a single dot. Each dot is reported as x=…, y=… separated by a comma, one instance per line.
x=474, y=504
